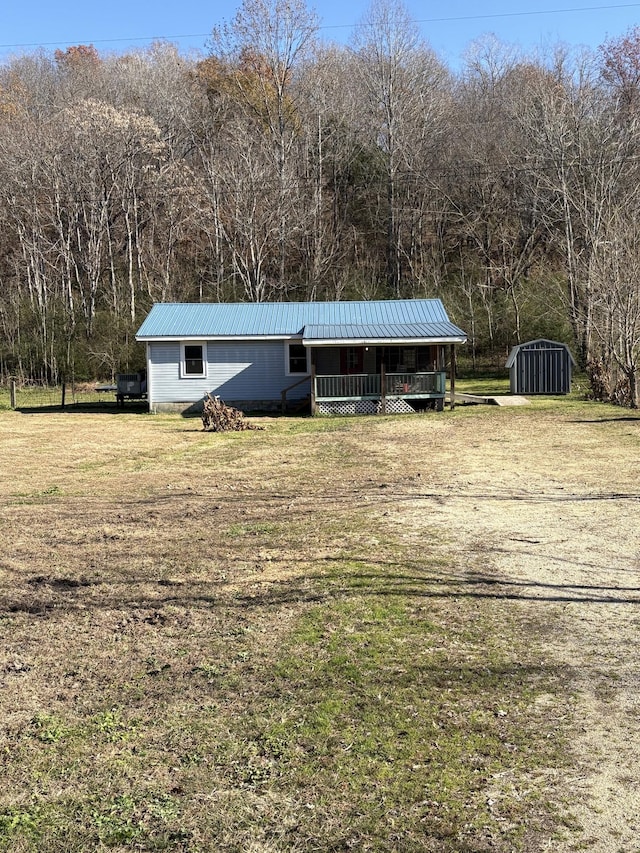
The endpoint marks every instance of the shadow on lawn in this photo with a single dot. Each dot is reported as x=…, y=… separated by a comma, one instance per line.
x=55, y=596
x=475, y=586
x=97, y=408
x=624, y=418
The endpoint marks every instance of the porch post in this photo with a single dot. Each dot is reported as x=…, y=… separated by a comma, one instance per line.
x=313, y=382
x=383, y=388
x=452, y=378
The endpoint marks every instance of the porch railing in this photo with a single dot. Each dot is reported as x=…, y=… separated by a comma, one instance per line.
x=362, y=386
x=401, y=384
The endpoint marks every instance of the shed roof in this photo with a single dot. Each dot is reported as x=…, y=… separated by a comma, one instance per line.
x=315, y=322
x=540, y=344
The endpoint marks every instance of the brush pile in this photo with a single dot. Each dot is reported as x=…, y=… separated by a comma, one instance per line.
x=218, y=417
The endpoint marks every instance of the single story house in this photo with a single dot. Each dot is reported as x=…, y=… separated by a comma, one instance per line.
x=341, y=357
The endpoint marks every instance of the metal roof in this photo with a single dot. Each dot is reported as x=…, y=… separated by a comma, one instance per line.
x=383, y=333
x=374, y=320
x=538, y=344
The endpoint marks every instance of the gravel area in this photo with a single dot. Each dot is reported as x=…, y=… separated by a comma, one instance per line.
x=551, y=504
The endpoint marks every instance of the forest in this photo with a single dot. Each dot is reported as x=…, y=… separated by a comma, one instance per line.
x=276, y=165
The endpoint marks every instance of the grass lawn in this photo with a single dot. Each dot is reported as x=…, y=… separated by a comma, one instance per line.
x=246, y=642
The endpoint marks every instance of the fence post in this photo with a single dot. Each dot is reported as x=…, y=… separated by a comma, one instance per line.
x=452, y=380
x=12, y=389
x=64, y=391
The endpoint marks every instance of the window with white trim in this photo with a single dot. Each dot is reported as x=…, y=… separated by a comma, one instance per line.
x=297, y=359
x=193, y=363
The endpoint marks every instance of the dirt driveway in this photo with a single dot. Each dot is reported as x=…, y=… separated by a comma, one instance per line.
x=550, y=506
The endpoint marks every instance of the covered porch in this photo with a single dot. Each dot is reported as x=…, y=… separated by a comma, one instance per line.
x=380, y=377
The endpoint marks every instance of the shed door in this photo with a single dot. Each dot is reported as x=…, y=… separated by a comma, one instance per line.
x=542, y=371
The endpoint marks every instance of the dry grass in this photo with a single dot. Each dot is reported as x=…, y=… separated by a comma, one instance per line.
x=253, y=642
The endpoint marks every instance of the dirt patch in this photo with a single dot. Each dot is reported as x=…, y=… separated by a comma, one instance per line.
x=546, y=507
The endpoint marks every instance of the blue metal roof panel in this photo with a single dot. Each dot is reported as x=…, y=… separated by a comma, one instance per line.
x=284, y=319
x=382, y=331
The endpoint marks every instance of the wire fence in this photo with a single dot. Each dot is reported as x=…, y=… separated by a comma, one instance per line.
x=30, y=396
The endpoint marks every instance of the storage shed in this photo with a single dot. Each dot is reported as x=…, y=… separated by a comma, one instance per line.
x=540, y=367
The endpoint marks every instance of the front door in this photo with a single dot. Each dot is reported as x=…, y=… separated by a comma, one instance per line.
x=351, y=360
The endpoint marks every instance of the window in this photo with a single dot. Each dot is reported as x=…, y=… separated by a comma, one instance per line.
x=402, y=360
x=409, y=358
x=297, y=359
x=193, y=362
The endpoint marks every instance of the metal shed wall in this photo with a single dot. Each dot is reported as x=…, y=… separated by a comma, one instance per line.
x=540, y=367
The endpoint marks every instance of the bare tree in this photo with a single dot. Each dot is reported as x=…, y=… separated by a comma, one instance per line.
x=404, y=87
x=616, y=315
x=261, y=49
x=494, y=234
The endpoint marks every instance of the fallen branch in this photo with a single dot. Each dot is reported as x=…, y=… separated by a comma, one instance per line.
x=218, y=417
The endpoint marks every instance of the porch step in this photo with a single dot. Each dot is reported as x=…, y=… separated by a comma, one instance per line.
x=297, y=406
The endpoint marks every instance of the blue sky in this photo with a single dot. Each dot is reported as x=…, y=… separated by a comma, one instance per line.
x=449, y=27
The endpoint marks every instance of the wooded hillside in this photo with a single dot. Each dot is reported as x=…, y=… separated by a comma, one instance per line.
x=281, y=167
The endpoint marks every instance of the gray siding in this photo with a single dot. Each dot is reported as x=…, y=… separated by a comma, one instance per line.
x=369, y=360
x=245, y=371
x=328, y=361
x=164, y=376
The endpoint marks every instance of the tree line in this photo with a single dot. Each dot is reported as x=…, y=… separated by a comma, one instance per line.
x=278, y=166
